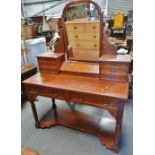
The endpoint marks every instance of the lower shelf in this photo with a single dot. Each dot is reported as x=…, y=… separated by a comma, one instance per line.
x=80, y=121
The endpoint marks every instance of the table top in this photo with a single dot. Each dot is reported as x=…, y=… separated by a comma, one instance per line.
x=81, y=84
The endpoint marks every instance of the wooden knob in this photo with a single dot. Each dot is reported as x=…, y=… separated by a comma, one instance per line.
x=94, y=36
x=76, y=36
x=77, y=45
x=95, y=45
x=75, y=27
x=94, y=27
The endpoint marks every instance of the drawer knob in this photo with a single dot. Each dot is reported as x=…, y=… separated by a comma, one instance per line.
x=95, y=45
x=75, y=27
x=77, y=45
x=94, y=36
x=76, y=36
x=94, y=27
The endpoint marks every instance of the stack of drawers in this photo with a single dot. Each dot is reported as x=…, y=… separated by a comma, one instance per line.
x=50, y=62
x=83, y=35
x=115, y=69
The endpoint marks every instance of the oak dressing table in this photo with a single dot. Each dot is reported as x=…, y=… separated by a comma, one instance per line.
x=83, y=75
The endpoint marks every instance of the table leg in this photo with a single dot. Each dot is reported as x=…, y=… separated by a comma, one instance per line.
x=119, y=117
x=53, y=103
x=35, y=114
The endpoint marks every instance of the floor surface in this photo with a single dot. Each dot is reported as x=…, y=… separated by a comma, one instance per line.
x=60, y=140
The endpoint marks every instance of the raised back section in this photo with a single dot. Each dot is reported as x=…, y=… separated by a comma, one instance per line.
x=84, y=35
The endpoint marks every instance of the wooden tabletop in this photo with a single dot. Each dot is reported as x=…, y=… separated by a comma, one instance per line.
x=50, y=55
x=89, y=85
x=115, y=58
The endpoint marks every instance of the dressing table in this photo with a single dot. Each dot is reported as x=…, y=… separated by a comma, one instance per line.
x=85, y=74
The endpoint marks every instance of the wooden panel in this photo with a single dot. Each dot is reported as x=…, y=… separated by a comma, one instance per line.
x=95, y=27
x=95, y=100
x=83, y=36
x=115, y=64
x=114, y=70
x=91, y=45
x=75, y=27
x=114, y=77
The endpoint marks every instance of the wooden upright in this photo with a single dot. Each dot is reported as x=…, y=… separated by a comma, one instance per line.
x=85, y=74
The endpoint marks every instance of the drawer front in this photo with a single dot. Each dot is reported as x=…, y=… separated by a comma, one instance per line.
x=87, y=45
x=98, y=101
x=53, y=93
x=115, y=64
x=92, y=36
x=91, y=45
x=77, y=45
x=47, y=70
x=94, y=27
x=109, y=70
x=83, y=36
x=114, y=77
x=75, y=27
x=46, y=62
x=75, y=36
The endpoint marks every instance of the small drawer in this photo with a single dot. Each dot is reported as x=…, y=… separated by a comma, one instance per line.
x=91, y=45
x=75, y=27
x=115, y=64
x=92, y=36
x=99, y=101
x=92, y=27
x=114, y=77
x=75, y=36
x=114, y=70
x=77, y=45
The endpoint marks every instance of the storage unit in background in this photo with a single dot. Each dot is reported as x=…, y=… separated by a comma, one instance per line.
x=35, y=47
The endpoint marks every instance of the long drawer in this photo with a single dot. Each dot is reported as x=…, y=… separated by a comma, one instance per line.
x=92, y=36
x=87, y=27
x=95, y=100
x=87, y=45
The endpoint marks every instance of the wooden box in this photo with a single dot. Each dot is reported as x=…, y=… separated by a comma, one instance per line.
x=50, y=62
x=114, y=69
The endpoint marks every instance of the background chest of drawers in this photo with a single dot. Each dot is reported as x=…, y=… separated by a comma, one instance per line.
x=83, y=34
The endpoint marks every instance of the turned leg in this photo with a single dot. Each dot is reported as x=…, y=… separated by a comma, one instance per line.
x=118, y=126
x=53, y=103
x=35, y=114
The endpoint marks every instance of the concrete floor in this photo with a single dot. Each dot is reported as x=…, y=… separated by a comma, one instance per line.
x=60, y=140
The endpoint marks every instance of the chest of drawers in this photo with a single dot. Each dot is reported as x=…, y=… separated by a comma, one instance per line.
x=84, y=35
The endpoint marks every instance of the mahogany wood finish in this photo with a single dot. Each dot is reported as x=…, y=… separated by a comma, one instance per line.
x=115, y=68
x=50, y=62
x=83, y=90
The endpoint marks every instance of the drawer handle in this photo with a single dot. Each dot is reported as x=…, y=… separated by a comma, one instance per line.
x=94, y=27
x=75, y=27
x=77, y=45
x=95, y=45
x=94, y=36
x=76, y=36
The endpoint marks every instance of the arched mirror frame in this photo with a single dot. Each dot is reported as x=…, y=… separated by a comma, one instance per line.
x=100, y=13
